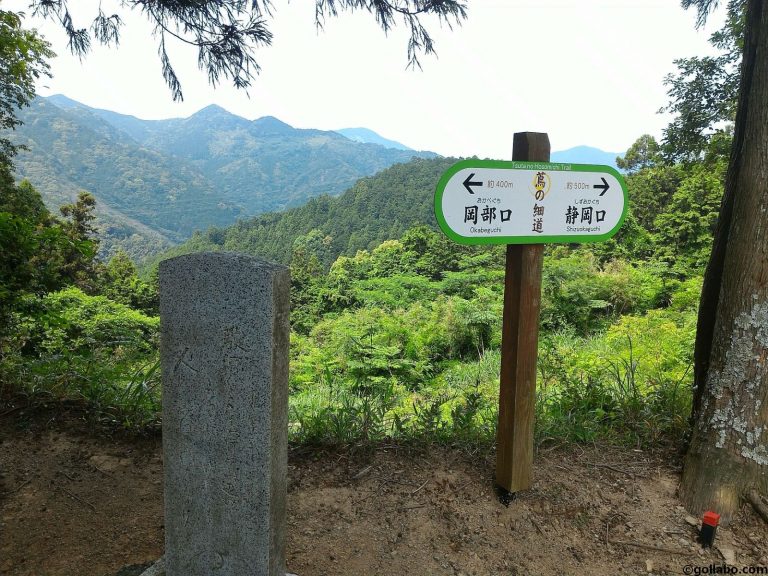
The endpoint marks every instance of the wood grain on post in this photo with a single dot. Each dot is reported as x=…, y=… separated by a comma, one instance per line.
x=519, y=343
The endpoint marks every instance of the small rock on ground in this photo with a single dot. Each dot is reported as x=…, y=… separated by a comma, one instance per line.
x=729, y=555
x=134, y=570
x=156, y=569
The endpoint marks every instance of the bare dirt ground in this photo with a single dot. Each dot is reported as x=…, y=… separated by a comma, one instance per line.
x=74, y=501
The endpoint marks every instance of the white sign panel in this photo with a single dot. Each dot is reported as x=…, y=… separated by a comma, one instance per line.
x=495, y=202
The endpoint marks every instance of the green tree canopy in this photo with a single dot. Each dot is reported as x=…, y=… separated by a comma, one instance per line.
x=23, y=201
x=644, y=153
x=704, y=91
x=23, y=55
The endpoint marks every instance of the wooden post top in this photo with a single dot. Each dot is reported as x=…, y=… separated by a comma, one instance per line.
x=531, y=146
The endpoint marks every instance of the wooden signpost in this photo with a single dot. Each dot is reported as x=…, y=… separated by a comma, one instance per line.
x=525, y=204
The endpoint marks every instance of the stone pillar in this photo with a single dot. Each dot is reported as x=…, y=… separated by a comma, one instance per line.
x=224, y=356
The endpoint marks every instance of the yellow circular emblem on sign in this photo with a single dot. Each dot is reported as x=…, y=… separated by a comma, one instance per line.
x=540, y=185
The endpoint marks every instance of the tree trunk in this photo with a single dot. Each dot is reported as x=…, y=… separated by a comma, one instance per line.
x=728, y=455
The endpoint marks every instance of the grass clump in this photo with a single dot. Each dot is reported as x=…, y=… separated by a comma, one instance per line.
x=86, y=350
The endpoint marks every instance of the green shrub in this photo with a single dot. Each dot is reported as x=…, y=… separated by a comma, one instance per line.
x=90, y=350
x=71, y=320
x=631, y=384
x=580, y=293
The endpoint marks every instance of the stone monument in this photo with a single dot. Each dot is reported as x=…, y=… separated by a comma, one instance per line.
x=224, y=356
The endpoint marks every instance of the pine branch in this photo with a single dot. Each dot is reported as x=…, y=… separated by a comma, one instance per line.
x=228, y=32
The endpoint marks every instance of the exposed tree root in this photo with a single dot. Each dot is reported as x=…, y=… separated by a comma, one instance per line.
x=647, y=547
x=757, y=503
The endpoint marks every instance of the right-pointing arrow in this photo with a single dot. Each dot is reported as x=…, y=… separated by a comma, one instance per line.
x=604, y=186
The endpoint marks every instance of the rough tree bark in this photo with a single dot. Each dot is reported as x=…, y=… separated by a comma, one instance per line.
x=728, y=454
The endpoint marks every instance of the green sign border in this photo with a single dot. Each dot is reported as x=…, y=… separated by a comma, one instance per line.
x=515, y=165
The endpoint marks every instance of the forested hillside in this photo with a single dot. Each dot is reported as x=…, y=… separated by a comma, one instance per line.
x=389, y=314
x=664, y=199
x=158, y=181
x=377, y=208
x=139, y=191
x=395, y=329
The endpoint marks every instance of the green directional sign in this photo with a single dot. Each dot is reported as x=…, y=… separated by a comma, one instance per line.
x=498, y=202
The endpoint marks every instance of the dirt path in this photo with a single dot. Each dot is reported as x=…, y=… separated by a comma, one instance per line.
x=74, y=503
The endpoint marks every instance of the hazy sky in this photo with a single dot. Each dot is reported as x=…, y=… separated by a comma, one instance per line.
x=585, y=71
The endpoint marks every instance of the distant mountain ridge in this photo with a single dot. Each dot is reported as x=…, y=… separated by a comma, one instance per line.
x=586, y=155
x=157, y=181
x=368, y=136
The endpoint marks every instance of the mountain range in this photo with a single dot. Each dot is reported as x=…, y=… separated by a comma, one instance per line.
x=368, y=136
x=158, y=181
x=586, y=155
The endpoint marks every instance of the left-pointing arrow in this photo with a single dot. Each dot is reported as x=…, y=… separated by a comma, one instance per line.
x=468, y=183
